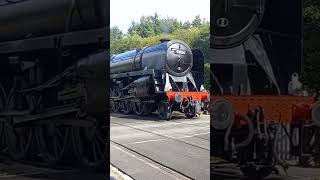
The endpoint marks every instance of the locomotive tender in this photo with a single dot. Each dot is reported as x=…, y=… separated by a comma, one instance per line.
x=53, y=80
x=156, y=78
x=256, y=89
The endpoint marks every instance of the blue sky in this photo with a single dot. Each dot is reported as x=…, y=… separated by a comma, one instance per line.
x=124, y=11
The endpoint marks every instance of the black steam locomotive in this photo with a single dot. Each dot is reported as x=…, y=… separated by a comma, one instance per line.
x=159, y=78
x=53, y=75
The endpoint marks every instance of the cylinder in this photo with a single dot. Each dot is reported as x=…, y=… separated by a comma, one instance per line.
x=174, y=57
x=94, y=66
x=32, y=18
x=93, y=70
x=143, y=86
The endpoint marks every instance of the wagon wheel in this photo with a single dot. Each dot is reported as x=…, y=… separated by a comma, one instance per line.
x=137, y=107
x=90, y=144
x=126, y=107
x=164, y=110
x=54, y=139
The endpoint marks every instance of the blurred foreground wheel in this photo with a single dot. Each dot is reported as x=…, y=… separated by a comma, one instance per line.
x=19, y=141
x=53, y=142
x=253, y=173
x=90, y=145
x=3, y=97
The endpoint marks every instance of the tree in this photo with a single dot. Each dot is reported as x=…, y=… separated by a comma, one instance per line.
x=170, y=25
x=146, y=27
x=197, y=22
x=207, y=76
x=311, y=45
x=186, y=25
x=115, y=33
x=154, y=25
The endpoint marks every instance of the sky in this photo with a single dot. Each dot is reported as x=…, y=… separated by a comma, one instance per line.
x=123, y=12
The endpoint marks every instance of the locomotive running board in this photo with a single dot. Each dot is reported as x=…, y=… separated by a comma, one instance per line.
x=134, y=73
x=119, y=98
x=55, y=40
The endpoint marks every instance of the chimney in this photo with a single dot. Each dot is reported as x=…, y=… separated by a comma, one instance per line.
x=164, y=40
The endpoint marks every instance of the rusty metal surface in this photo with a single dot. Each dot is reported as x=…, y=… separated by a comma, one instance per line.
x=276, y=108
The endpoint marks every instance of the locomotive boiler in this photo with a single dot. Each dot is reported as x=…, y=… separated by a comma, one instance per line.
x=32, y=18
x=256, y=92
x=156, y=78
x=53, y=80
x=174, y=57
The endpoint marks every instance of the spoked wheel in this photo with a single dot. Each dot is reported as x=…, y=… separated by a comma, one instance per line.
x=54, y=140
x=149, y=108
x=164, y=110
x=90, y=145
x=115, y=106
x=19, y=140
x=126, y=107
x=190, y=112
x=137, y=107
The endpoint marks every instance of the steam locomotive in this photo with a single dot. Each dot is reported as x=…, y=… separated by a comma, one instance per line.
x=159, y=77
x=256, y=92
x=53, y=75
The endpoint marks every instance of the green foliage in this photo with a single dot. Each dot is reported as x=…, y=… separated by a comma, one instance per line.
x=311, y=45
x=207, y=76
x=153, y=26
x=197, y=21
x=115, y=33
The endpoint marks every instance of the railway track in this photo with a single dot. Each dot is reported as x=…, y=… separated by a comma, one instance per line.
x=169, y=137
x=174, y=174
x=166, y=148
